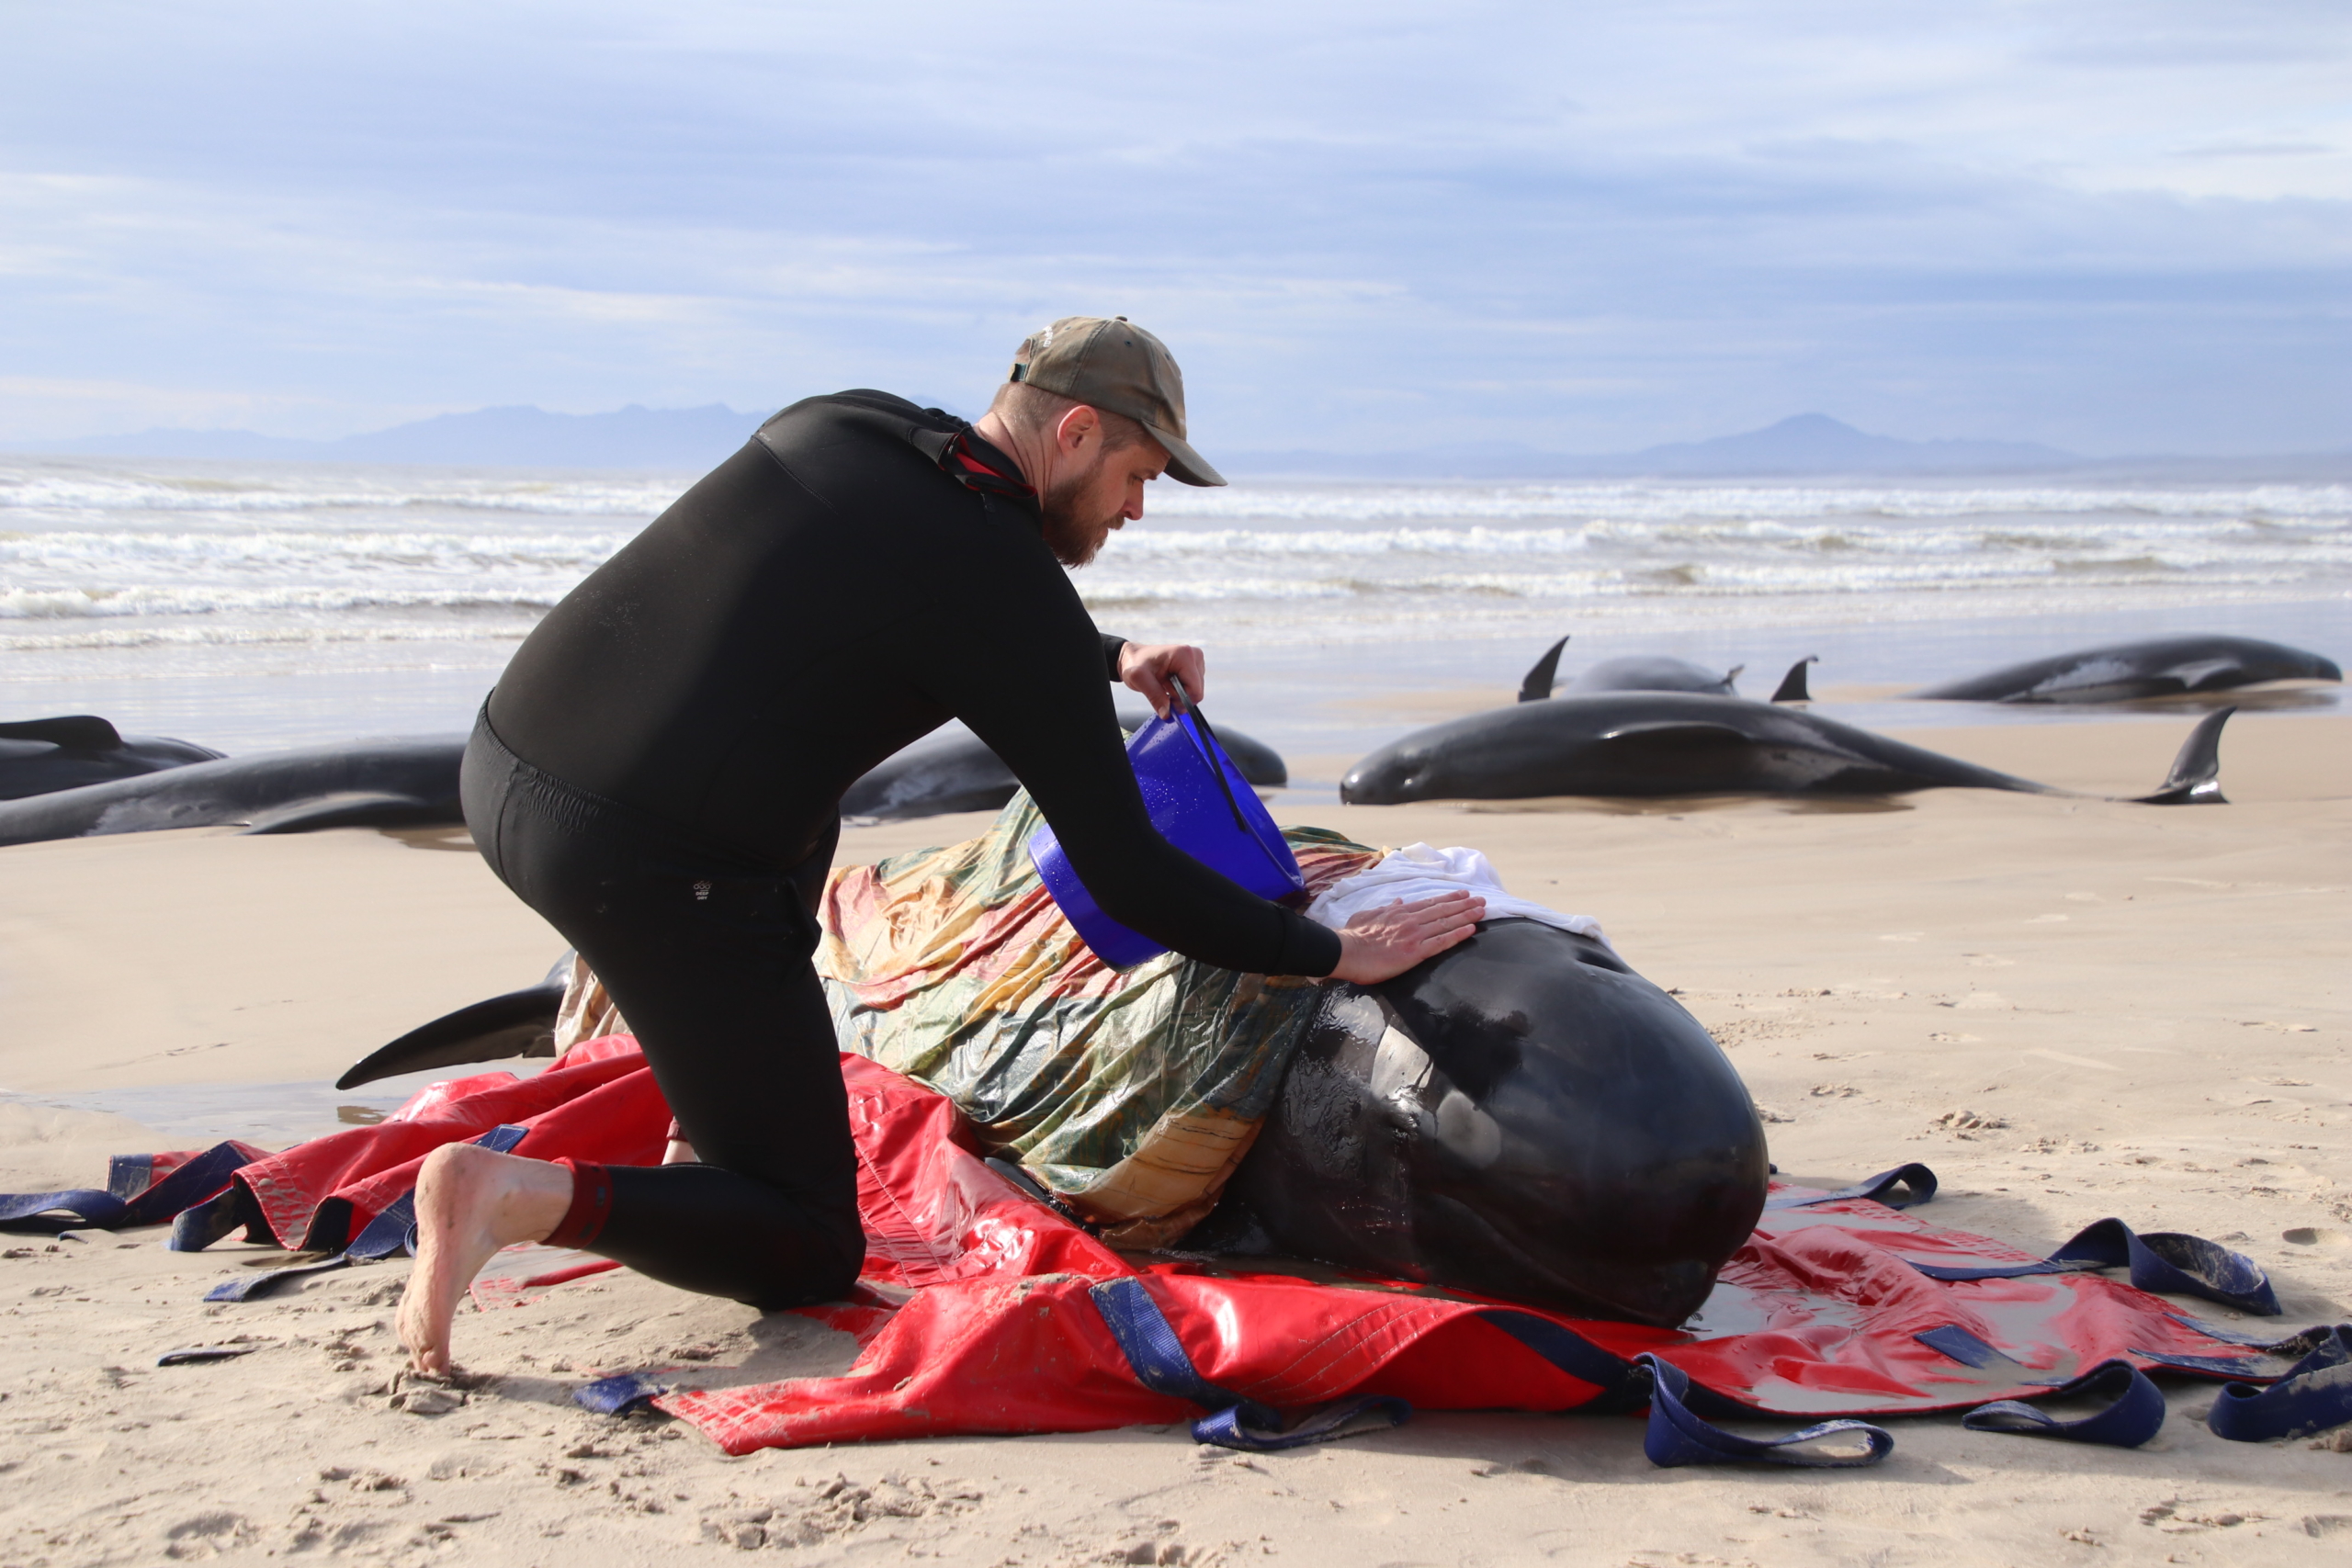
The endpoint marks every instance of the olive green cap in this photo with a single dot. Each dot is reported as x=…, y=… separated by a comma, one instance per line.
x=1116, y=365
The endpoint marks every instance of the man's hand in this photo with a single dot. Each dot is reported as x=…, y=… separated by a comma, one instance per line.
x=1381, y=944
x=1147, y=669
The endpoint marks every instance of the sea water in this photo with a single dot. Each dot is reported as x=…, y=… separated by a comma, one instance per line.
x=252, y=605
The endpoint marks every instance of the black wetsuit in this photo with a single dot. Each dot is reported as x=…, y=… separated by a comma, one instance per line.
x=660, y=769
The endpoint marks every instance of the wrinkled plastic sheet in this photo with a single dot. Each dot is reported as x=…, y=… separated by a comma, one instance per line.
x=975, y=1313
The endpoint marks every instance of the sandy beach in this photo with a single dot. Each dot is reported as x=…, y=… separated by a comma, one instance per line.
x=2069, y=1008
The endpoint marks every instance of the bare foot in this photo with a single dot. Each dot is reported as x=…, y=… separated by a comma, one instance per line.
x=470, y=1203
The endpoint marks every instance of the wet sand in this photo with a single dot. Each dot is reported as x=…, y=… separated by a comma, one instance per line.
x=2069, y=1008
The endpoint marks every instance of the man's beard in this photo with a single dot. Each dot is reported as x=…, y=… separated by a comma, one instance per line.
x=1068, y=534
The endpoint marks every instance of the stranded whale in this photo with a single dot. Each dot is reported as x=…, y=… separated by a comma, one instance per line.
x=957, y=772
x=2160, y=667
x=1662, y=743
x=403, y=781
x=40, y=756
x=1649, y=672
x=1523, y=1116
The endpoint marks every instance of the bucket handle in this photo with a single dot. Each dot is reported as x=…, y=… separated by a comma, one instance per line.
x=1213, y=754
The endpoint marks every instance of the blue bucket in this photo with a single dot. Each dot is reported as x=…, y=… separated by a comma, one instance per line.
x=1200, y=804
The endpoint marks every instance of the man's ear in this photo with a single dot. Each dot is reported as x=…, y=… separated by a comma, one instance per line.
x=1076, y=427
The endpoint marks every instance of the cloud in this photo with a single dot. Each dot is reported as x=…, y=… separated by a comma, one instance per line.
x=1584, y=227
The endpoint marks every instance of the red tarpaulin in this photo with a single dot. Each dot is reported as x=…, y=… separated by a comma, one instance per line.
x=984, y=1311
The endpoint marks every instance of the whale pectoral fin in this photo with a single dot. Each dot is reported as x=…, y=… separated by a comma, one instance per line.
x=1793, y=684
x=1677, y=732
x=74, y=732
x=353, y=808
x=2196, y=776
x=520, y=1024
x=1544, y=675
x=2199, y=675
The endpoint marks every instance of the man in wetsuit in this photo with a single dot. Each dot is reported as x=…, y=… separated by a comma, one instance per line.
x=659, y=769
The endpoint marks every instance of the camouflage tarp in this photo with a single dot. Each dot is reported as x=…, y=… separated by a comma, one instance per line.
x=1132, y=1095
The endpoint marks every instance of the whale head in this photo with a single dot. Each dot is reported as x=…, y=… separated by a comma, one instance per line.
x=1521, y=1116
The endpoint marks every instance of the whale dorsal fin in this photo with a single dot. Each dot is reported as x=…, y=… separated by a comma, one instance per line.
x=74, y=733
x=2196, y=776
x=1792, y=689
x=1544, y=675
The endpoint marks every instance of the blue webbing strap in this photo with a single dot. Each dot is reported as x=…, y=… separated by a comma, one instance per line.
x=1621, y=1389
x=2315, y=1394
x=1677, y=1436
x=618, y=1395
x=392, y=1231
x=1157, y=1360
x=2167, y=1262
x=123, y=1204
x=1919, y=1178
x=46, y=1214
x=2133, y=1411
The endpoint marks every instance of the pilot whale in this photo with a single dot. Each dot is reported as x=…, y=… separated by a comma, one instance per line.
x=39, y=756
x=1649, y=672
x=1664, y=743
x=957, y=772
x=1524, y=1116
x=403, y=781
x=2160, y=667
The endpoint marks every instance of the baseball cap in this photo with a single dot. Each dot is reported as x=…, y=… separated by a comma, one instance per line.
x=1113, y=364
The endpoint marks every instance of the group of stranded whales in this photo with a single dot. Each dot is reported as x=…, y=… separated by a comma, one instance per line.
x=76, y=777
x=1649, y=728
x=1640, y=726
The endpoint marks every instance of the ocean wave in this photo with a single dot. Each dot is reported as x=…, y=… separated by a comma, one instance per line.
x=87, y=547
x=233, y=637
x=87, y=494
x=1141, y=541
x=1654, y=501
x=82, y=604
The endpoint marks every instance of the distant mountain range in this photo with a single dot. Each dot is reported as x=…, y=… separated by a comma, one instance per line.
x=1807, y=444
x=696, y=439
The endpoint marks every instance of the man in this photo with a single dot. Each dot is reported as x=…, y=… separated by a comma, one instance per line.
x=659, y=769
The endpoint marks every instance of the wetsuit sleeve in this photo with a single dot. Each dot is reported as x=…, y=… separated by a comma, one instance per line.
x=1042, y=705
x=1111, y=646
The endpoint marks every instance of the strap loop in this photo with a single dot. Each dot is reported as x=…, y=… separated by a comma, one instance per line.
x=2133, y=1411
x=2315, y=1394
x=1676, y=1437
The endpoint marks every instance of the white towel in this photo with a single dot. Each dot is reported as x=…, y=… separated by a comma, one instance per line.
x=1418, y=871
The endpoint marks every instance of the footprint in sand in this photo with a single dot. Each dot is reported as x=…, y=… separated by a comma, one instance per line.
x=2316, y=1236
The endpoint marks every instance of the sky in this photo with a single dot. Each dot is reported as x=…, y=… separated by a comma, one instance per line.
x=2116, y=226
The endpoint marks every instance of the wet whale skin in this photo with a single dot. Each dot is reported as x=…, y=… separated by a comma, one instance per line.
x=1521, y=1116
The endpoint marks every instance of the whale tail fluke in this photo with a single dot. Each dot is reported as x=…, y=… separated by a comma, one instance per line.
x=1793, y=687
x=2196, y=776
x=1544, y=676
x=1731, y=676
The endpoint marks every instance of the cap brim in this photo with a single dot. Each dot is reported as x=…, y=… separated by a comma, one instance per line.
x=1185, y=465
